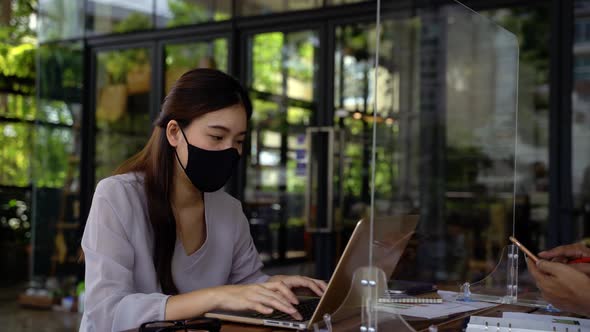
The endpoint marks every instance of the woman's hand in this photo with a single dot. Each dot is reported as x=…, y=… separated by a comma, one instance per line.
x=263, y=298
x=563, y=286
x=317, y=286
x=275, y=294
x=563, y=254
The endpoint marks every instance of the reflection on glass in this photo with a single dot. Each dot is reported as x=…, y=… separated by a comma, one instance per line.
x=60, y=79
x=581, y=119
x=284, y=64
x=343, y=2
x=106, y=16
x=396, y=168
x=532, y=163
x=122, y=107
x=263, y=7
x=53, y=26
x=458, y=178
x=181, y=58
x=56, y=162
x=173, y=13
x=281, y=86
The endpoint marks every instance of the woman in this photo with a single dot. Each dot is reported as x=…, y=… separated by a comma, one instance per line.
x=162, y=240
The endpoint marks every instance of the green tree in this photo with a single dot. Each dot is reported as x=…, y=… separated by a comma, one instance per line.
x=17, y=45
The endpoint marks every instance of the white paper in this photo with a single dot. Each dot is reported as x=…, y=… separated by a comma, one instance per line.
x=449, y=306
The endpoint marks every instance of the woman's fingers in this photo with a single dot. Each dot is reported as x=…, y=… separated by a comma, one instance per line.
x=309, y=283
x=535, y=272
x=278, y=297
x=582, y=267
x=272, y=299
x=320, y=283
x=568, y=251
x=281, y=287
x=259, y=307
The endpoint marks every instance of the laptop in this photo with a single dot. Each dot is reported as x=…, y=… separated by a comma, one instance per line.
x=391, y=235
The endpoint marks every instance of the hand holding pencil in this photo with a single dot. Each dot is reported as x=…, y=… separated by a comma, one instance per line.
x=576, y=254
x=562, y=274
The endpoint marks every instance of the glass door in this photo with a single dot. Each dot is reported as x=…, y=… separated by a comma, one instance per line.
x=282, y=81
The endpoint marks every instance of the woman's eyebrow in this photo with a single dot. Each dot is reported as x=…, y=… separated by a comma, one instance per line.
x=227, y=130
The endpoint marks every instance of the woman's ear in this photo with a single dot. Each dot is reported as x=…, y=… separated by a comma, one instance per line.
x=173, y=133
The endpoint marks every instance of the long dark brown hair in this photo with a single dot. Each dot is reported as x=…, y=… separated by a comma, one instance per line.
x=197, y=92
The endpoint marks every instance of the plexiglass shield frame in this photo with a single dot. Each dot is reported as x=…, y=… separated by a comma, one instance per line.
x=443, y=127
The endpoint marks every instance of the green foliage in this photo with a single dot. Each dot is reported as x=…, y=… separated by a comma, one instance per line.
x=17, y=47
x=276, y=55
x=186, y=12
x=17, y=67
x=17, y=60
x=15, y=224
x=220, y=51
x=266, y=67
x=462, y=167
x=60, y=72
x=117, y=64
x=32, y=151
x=52, y=153
x=301, y=59
x=133, y=22
x=17, y=106
x=15, y=155
x=532, y=27
x=17, y=29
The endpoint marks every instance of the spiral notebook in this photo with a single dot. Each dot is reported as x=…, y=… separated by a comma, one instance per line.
x=428, y=298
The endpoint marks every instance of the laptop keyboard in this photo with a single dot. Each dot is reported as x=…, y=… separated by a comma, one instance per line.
x=305, y=307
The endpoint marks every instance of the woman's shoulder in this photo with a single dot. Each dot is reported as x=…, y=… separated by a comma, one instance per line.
x=116, y=187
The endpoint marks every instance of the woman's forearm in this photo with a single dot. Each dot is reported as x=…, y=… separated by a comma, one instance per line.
x=193, y=304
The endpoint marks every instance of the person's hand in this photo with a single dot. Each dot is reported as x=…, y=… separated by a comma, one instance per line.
x=317, y=286
x=263, y=298
x=563, y=286
x=563, y=254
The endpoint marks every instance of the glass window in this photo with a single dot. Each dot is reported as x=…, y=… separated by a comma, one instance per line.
x=173, y=13
x=581, y=124
x=56, y=160
x=53, y=26
x=122, y=107
x=60, y=82
x=281, y=83
x=183, y=57
x=264, y=7
x=294, y=78
x=108, y=16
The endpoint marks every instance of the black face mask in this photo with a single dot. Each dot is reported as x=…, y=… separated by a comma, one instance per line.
x=209, y=170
